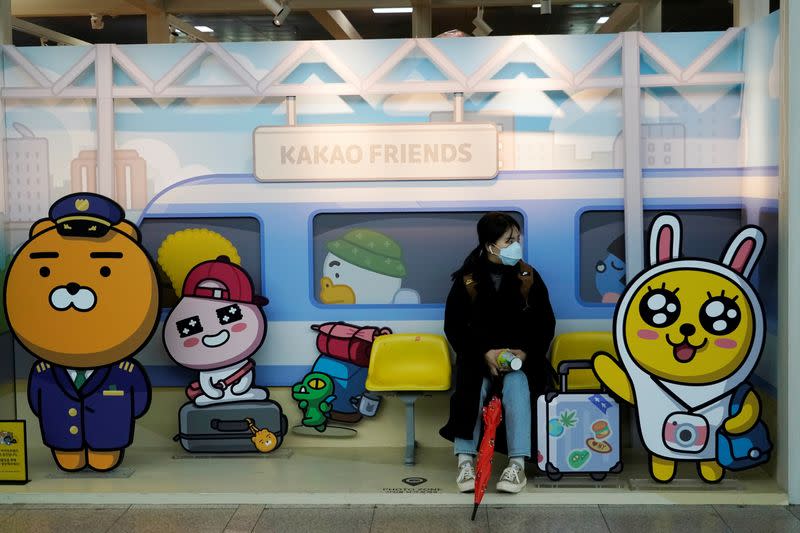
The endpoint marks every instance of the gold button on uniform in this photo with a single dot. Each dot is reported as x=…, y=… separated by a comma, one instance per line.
x=73, y=429
x=72, y=411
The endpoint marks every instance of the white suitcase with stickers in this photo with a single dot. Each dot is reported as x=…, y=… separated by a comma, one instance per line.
x=578, y=432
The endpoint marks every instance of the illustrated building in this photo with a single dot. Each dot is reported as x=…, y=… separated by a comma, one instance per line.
x=28, y=178
x=662, y=146
x=130, y=173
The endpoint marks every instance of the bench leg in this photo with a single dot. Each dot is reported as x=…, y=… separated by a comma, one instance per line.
x=409, y=400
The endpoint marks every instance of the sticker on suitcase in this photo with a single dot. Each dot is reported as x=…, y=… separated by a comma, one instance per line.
x=558, y=426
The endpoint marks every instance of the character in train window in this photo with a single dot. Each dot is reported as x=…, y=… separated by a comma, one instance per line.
x=365, y=267
x=177, y=244
x=609, y=277
x=602, y=266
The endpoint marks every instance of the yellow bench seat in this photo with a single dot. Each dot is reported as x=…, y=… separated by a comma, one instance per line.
x=409, y=364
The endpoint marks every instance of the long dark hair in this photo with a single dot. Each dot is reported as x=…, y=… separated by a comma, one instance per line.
x=491, y=227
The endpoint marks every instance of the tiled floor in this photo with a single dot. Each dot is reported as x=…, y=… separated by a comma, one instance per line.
x=416, y=519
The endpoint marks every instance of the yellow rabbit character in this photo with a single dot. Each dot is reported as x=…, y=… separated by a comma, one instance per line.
x=689, y=333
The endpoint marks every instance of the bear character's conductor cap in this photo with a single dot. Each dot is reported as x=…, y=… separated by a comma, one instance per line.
x=85, y=214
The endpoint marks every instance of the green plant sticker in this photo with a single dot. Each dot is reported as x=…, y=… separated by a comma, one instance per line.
x=568, y=419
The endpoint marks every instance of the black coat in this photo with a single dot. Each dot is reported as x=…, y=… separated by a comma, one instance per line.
x=497, y=319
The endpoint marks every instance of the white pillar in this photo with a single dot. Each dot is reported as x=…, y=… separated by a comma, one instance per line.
x=746, y=12
x=632, y=171
x=650, y=16
x=291, y=111
x=103, y=68
x=788, y=430
x=458, y=107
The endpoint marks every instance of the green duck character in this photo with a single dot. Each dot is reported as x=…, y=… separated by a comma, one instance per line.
x=314, y=396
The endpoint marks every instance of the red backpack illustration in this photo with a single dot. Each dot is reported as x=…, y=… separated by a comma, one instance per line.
x=347, y=342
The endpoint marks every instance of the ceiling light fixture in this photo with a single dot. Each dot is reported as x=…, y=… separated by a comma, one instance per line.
x=280, y=18
x=547, y=7
x=204, y=29
x=481, y=28
x=386, y=10
x=602, y=20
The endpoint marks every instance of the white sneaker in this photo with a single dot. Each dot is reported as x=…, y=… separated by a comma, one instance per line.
x=466, y=477
x=512, y=480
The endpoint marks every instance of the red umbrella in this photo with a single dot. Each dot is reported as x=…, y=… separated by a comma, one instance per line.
x=492, y=415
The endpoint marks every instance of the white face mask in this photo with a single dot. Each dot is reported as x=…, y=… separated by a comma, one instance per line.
x=511, y=254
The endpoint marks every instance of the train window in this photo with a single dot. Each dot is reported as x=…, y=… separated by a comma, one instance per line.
x=601, y=254
x=390, y=258
x=178, y=244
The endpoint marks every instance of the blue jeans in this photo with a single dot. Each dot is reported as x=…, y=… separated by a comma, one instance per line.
x=516, y=414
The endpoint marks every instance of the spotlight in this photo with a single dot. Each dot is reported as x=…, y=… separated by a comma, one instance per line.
x=547, y=6
x=96, y=21
x=280, y=17
x=481, y=28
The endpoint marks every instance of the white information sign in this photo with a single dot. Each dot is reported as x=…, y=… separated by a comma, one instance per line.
x=376, y=152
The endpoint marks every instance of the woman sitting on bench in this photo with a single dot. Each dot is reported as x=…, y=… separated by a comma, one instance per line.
x=498, y=303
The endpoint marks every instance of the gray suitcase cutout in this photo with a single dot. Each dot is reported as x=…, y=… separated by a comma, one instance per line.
x=223, y=428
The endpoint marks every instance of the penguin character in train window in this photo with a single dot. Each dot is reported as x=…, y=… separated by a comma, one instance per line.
x=364, y=267
x=82, y=296
x=690, y=333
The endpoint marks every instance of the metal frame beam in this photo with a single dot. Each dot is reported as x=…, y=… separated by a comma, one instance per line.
x=49, y=8
x=421, y=19
x=746, y=12
x=622, y=19
x=190, y=30
x=560, y=77
x=336, y=23
x=40, y=31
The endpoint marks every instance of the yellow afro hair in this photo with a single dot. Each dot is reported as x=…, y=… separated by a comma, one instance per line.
x=183, y=250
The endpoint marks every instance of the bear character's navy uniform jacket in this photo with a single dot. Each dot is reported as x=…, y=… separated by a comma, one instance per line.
x=99, y=416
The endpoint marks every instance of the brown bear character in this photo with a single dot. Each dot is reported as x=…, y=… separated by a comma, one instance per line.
x=82, y=296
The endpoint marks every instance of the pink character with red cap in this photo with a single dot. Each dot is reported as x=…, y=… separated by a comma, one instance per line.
x=215, y=327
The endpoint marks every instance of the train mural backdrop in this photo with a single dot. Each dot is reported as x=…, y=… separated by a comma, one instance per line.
x=180, y=137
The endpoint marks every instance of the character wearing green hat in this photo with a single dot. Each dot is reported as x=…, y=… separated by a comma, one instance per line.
x=364, y=266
